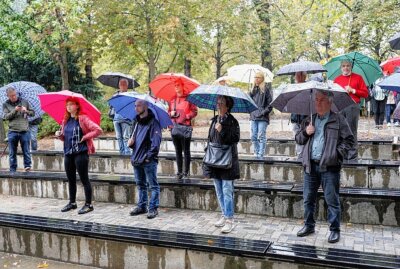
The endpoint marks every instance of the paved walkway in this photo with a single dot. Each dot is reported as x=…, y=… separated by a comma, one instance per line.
x=367, y=238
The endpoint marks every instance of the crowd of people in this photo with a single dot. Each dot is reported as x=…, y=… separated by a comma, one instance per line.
x=323, y=141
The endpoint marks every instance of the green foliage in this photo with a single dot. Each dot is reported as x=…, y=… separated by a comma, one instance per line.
x=48, y=126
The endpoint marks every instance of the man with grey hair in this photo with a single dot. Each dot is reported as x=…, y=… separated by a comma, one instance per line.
x=354, y=84
x=16, y=111
x=327, y=139
x=122, y=126
x=145, y=143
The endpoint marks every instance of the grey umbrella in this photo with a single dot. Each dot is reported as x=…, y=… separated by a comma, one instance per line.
x=299, y=98
x=301, y=66
x=394, y=41
x=112, y=79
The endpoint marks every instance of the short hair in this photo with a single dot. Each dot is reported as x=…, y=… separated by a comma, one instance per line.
x=229, y=101
x=124, y=79
x=10, y=89
x=328, y=94
x=346, y=61
x=141, y=101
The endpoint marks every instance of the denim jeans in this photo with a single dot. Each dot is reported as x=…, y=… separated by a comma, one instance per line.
x=146, y=177
x=225, y=195
x=13, y=139
x=122, y=132
x=330, y=184
x=33, y=129
x=389, y=111
x=259, y=137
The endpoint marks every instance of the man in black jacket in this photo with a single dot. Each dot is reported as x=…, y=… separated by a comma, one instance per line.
x=327, y=139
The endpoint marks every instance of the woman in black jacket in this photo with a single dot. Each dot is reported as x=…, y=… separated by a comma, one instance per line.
x=224, y=130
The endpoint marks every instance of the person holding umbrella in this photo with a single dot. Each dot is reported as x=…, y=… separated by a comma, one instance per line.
x=259, y=118
x=77, y=132
x=327, y=139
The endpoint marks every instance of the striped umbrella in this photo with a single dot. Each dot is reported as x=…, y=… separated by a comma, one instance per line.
x=28, y=91
x=205, y=96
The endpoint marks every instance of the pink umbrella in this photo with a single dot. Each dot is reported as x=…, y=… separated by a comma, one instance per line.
x=163, y=86
x=53, y=103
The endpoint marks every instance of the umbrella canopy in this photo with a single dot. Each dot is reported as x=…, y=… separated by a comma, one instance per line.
x=246, y=72
x=28, y=91
x=112, y=79
x=53, y=103
x=301, y=66
x=205, y=96
x=390, y=65
x=391, y=83
x=299, y=98
x=394, y=41
x=363, y=65
x=124, y=104
x=163, y=86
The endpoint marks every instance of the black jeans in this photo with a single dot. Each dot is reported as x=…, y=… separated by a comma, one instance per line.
x=78, y=162
x=182, y=144
x=379, y=111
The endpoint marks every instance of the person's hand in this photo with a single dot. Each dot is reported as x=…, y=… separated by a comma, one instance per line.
x=173, y=113
x=130, y=142
x=23, y=109
x=350, y=90
x=310, y=129
x=82, y=140
x=18, y=108
x=218, y=127
x=58, y=133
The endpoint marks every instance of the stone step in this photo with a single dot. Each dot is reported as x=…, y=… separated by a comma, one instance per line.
x=109, y=238
x=368, y=149
x=359, y=205
x=361, y=173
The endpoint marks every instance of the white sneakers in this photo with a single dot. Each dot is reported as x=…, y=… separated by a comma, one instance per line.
x=226, y=224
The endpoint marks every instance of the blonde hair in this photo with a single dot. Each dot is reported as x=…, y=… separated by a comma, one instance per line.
x=262, y=84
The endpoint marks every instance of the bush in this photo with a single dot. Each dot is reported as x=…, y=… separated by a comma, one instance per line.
x=48, y=126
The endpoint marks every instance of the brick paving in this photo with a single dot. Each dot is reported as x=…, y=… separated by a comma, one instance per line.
x=367, y=238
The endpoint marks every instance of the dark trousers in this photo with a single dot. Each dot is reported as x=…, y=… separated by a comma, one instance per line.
x=78, y=162
x=182, y=144
x=352, y=115
x=379, y=111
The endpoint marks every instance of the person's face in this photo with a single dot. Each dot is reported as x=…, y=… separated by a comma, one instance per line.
x=322, y=104
x=178, y=89
x=140, y=107
x=123, y=86
x=12, y=96
x=72, y=107
x=222, y=82
x=300, y=77
x=221, y=105
x=258, y=79
x=346, y=68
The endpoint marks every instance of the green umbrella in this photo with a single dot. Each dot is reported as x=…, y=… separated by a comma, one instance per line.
x=363, y=65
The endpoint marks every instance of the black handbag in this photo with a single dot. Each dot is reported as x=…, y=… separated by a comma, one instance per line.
x=182, y=131
x=218, y=156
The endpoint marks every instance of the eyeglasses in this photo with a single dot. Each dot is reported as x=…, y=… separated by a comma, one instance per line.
x=257, y=77
x=220, y=103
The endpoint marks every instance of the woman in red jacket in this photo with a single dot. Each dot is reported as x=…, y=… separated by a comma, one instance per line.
x=77, y=132
x=182, y=112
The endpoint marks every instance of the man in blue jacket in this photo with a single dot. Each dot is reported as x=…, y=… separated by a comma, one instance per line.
x=145, y=143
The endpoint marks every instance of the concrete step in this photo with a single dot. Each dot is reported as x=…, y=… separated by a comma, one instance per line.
x=109, y=238
x=361, y=173
x=359, y=205
x=368, y=149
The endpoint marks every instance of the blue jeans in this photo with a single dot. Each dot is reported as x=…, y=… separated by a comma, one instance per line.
x=259, y=136
x=225, y=195
x=389, y=111
x=13, y=139
x=146, y=176
x=33, y=129
x=122, y=133
x=330, y=184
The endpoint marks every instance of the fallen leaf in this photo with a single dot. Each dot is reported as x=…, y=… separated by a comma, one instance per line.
x=43, y=265
x=210, y=242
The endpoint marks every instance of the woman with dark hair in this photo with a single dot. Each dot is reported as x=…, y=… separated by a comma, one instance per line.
x=77, y=132
x=224, y=130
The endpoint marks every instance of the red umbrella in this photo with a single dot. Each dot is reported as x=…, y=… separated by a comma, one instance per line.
x=163, y=86
x=53, y=103
x=390, y=64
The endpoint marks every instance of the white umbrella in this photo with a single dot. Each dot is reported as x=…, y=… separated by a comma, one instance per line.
x=246, y=72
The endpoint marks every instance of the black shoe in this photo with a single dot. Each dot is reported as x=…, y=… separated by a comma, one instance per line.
x=306, y=230
x=69, y=207
x=137, y=211
x=152, y=213
x=86, y=209
x=334, y=237
x=185, y=176
x=179, y=176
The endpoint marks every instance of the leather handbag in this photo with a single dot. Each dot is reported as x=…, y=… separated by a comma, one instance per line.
x=181, y=131
x=218, y=156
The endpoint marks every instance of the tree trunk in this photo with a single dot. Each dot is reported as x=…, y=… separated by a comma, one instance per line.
x=218, y=55
x=152, y=68
x=188, y=67
x=89, y=64
x=262, y=7
x=63, y=63
x=355, y=26
x=2, y=131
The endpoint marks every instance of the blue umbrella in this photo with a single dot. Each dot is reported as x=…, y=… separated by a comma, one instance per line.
x=28, y=91
x=391, y=83
x=205, y=96
x=124, y=104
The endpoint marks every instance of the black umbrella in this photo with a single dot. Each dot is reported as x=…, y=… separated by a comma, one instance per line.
x=395, y=41
x=301, y=66
x=112, y=79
